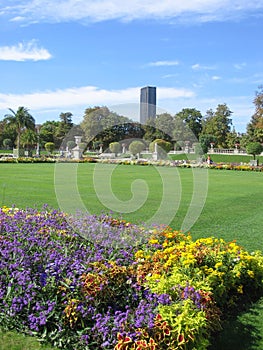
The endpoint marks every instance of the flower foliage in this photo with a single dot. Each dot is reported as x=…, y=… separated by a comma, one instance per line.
x=166, y=292
x=142, y=162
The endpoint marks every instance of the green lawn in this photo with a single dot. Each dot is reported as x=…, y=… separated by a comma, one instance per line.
x=232, y=209
x=220, y=158
x=14, y=341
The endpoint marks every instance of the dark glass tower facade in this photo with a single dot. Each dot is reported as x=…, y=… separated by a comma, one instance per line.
x=147, y=103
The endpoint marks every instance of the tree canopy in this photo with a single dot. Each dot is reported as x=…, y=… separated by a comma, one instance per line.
x=19, y=121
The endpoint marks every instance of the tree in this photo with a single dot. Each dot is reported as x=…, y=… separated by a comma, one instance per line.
x=6, y=133
x=7, y=143
x=136, y=147
x=164, y=124
x=193, y=118
x=206, y=140
x=48, y=133
x=254, y=148
x=101, y=125
x=232, y=139
x=29, y=138
x=50, y=146
x=64, y=126
x=20, y=121
x=66, y=118
x=182, y=132
x=255, y=127
x=218, y=124
x=115, y=147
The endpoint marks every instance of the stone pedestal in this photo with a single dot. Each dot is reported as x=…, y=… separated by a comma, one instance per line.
x=155, y=153
x=77, y=151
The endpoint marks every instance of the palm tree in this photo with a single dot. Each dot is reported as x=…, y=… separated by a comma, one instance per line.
x=28, y=139
x=20, y=121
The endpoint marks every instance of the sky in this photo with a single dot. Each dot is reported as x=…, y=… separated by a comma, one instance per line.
x=68, y=55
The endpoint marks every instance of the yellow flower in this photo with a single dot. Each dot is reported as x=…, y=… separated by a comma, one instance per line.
x=153, y=241
x=240, y=289
x=219, y=264
x=250, y=273
x=139, y=254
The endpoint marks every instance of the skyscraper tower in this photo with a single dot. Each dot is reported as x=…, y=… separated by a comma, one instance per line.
x=147, y=103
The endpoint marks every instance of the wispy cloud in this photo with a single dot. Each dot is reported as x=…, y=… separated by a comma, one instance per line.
x=84, y=96
x=100, y=10
x=216, y=77
x=240, y=66
x=163, y=63
x=24, y=52
x=198, y=66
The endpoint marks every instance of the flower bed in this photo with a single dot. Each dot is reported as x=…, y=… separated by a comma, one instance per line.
x=145, y=162
x=108, y=284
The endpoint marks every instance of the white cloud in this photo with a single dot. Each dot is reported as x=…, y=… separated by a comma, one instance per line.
x=163, y=63
x=84, y=96
x=24, y=52
x=216, y=77
x=198, y=66
x=47, y=105
x=240, y=66
x=100, y=10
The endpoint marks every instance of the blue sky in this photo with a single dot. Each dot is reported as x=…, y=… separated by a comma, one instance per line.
x=67, y=55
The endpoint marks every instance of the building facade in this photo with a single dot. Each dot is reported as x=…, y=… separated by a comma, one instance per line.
x=147, y=103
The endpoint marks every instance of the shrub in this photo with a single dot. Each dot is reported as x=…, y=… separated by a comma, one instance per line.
x=254, y=148
x=136, y=147
x=50, y=147
x=164, y=145
x=115, y=147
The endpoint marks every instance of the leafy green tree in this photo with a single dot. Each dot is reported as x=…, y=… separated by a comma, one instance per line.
x=193, y=118
x=29, y=139
x=6, y=133
x=104, y=126
x=164, y=124
x=48, y=133
x=115, y=147
x=218, y=124
x=255, y=126
x=7, y=143
x=206, y=140
x=50, y=147
x=232, y=139
x=64, y=126
x=66, y=118
x=254, y=148
x=182, y=132
x=19, y=121
x=149, y=129
x=136, y=147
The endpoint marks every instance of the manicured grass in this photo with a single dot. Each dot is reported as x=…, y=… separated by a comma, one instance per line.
x=15, y=341
x=219, y=158
x=233, y=210
x=230, y=158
